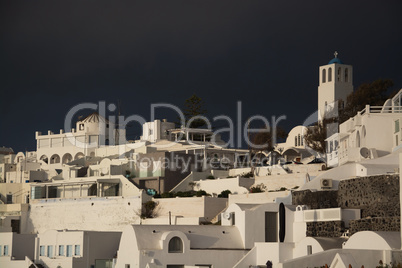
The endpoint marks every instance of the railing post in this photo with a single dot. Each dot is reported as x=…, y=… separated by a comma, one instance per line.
x=367, y=108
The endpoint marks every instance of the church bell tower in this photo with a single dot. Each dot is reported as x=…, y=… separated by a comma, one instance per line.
x=335, y=83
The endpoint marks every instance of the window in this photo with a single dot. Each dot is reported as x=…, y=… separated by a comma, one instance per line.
x=302, y=138
x=329, y=74
x=396, y=126
x=5, y=250
x=175, y=245
x=346, y=75
x=50, y=251
x=9, y=198
x=295, y=140
x=81, y=126
x=61, y=250
x=299, y=139
x=0, y=250
x=42, y=251
x=69, y=252
x=324, y=75
x=309, y=249
x=77, y=250
x=339, y=73
x=127, y=266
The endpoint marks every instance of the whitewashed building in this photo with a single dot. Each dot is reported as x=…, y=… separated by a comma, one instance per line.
x=372, y=133
x=76, y=249
x=16, y=250
x=55, y=149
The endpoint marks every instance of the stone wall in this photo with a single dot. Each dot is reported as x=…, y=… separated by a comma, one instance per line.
x=388, y=224
x=315, y=200
x=325, y=228
x=376, y=196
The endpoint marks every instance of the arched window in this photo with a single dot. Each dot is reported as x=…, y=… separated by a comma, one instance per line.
x=175, y=245
x=346, y=75
x=55, y=159
x=299, y=140
x=67, y=158
x=339, y=73
x=295, y=140
x=324, y=75
x=329, y=74
x=44, y=159
x=78, y=156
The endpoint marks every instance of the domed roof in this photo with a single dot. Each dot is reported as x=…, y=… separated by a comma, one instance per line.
x=336, y=59
x=94, y=118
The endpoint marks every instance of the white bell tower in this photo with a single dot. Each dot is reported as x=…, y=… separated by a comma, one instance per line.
x=335, y=83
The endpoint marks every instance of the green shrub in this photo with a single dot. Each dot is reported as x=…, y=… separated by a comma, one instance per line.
x=200, y=193
x=148, y=209
x=247, y=175
x=224, y=194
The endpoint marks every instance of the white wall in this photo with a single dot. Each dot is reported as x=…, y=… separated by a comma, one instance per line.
x=275, y=182
x=215, y=187
x=129, y=253
x=256, y=198
x=97, y=214
x=191, y=207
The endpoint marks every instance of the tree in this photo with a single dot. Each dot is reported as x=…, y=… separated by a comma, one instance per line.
x=262, y=141
x=194, y=106
x=375, y=94
x=316, y=135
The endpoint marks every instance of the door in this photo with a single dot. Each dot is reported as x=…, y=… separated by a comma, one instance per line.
x=271, y=226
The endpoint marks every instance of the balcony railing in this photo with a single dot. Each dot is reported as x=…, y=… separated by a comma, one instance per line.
x=380, y=109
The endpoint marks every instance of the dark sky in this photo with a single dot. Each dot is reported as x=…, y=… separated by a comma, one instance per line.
x=57, y=54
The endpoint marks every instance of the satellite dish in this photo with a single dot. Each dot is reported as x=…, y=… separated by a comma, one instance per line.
x=227, y=215
x=364, y=152
x=104, y=166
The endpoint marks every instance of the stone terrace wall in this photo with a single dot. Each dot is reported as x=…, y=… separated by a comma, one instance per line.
x=388, y=224
x=315, y=200
x=376, y=196
x=325, y=229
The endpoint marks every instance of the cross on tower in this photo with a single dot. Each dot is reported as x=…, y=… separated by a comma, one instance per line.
x=336, y=54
